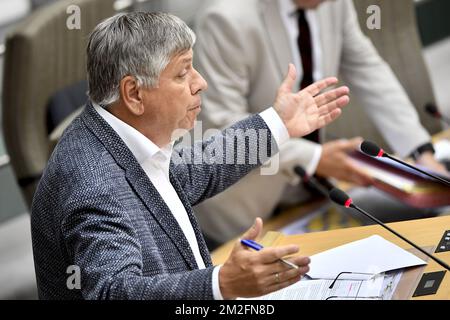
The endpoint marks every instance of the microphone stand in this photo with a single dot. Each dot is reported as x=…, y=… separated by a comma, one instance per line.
x=446, y=182
x=442, y=263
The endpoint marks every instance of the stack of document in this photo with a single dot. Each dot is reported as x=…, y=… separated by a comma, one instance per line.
x=407, y=185
x=365, y=263
x=320, y=290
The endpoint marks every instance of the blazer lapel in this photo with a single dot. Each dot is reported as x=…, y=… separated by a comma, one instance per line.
x=276, y=32
x=140, y=182
x=326, y=39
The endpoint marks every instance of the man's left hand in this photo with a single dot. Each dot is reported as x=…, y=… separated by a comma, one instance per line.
x=307, y=110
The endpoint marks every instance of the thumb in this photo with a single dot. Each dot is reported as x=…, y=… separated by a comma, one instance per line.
x=254, y=231
x=289, y=80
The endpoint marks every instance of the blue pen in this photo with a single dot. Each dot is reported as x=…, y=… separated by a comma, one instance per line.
x=256, y=246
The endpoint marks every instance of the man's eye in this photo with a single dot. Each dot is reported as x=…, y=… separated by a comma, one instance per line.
x=183, y=75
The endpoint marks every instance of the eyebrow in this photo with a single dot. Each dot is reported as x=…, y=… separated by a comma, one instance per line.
x=186, y=60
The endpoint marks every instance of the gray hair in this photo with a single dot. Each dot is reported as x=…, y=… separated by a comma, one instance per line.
x=138, y=44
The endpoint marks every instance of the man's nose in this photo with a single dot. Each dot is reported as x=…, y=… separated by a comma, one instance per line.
x=199, y=83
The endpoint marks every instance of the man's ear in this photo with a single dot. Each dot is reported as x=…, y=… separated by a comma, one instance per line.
x=131, y=95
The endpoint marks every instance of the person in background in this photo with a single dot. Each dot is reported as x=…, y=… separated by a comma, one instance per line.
x=241, y=50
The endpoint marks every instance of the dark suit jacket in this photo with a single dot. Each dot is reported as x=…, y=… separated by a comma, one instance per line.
x=95, y=208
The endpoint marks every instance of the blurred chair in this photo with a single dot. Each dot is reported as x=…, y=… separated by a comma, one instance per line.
x=42, y=57
x=399, y=44
x=64, y=102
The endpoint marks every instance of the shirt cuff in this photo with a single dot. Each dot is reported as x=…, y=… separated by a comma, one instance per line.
x=215, y=284
x=310, y=168
x=276, y=125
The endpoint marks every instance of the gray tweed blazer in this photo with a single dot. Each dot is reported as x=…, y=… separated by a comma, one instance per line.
x=96, y=209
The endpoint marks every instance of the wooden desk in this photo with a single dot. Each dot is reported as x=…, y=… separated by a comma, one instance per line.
x=424, y=232
x=219, y=255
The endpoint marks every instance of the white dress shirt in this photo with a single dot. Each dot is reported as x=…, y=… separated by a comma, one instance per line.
x=288, y=12
x=155, y=162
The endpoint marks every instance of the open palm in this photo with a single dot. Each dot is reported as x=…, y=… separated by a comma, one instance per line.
x=307, y=110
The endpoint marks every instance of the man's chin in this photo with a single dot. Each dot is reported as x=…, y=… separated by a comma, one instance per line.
x=312, y=5
x=188, y=124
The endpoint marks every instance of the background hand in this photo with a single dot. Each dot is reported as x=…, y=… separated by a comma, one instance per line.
x=335, y=162
x=428, y=160
x=307, y=110
x=249, y=273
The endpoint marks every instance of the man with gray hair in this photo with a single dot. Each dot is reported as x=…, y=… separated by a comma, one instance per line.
x=112, y=202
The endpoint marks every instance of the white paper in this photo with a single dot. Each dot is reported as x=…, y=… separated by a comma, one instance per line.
x=371, y=255
x=319, y=290
x=390, y=283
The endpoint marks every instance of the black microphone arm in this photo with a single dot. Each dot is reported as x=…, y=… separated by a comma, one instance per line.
x=341, y=198
x=310, y=181
x=446, y=182
x=371, y=149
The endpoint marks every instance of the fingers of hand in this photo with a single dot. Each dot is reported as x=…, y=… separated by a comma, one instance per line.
x=270, y=255
x=355, y=143
x=301, y=261
x=289, y=80
x=279, y=266
x=287, y=275
x=328, y=118
x=335, y=104
x=362, y=179
x=358, y=175
x=277, y=275
x=332, y=95
x=343, y=146
x=337, y=163
x=284, y=279
x=318, y=86
x=254, y=231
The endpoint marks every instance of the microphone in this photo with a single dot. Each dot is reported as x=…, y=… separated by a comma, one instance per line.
x=432, y=110
x=311, y=181
x=371, y=149
x=341, y=198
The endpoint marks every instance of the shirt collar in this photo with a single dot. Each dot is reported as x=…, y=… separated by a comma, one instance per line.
x=141, y=147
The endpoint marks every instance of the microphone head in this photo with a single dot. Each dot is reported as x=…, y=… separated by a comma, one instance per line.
x=371, y=149
x=432, y=110
x=340, y=197
x=300, y=172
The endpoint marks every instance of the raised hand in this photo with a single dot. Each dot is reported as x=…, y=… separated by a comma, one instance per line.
x=307, y=110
